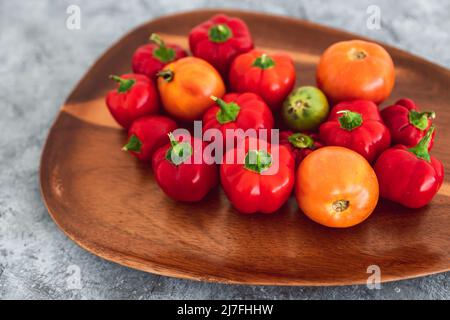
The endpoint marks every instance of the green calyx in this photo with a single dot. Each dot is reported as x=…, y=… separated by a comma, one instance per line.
x=179, y=151
x=162, y=53
x=228, y=111
x=420, y=119
x=349, y=120
x=124, y=84
x=301, y=141
x=220, y=33
x=264, y=62
x=421, y=149
x=167, y=75
x=133, y=144
x=258, y=161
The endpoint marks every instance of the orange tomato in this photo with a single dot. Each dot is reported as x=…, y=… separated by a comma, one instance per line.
x=350, y=70
x=336, y=187
x=186, y=87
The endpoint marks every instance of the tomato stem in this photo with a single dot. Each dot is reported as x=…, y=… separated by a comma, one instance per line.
x=167, y=75
x=340, y=205
x=421, y=149
x=124, y=84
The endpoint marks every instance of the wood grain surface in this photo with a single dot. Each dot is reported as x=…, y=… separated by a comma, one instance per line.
x=109, y=203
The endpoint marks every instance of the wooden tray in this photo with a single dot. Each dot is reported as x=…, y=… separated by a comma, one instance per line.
x=109, y=204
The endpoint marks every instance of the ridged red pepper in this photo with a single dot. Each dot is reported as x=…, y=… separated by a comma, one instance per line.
x=147, y=134
x=356, y=125
x=151, y=58
x=406, y=123
x=238, y=111
x=259, y=179
x=219, y=40
x=271, y=76
x=410, y=176
x=300, y=144
x=135, y=96
x=177, y=173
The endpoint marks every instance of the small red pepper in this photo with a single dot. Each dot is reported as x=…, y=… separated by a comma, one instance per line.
x=300, y=144
x=151, y=58
x=272, y=76
x=356, y=125
x=238, y=111
x=410, y=176
x=177, y=173
x=147, y=134
x=261, y=177
x=135, y=96
x=219, y=40
x=406, y=123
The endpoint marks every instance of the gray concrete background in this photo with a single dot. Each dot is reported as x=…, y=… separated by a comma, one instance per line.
x=41, y=60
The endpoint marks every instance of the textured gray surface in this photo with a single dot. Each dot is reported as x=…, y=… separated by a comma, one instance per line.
x=41, y=60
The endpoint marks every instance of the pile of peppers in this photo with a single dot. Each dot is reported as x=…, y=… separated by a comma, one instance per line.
x=230, y=85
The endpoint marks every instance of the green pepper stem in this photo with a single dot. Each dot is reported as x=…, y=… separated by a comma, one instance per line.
x=258, y=161
x=124, y=84
x=173, y=140
x=228, y=111
x=349, y=120
x=157, y=40
x=220, y=33
x=264, y=62
x=420, y=119
x=301, y=141
x=421, y=149
x=133, y=144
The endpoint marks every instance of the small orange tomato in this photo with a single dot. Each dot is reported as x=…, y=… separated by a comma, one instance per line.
x=336, y=187
x=186, y=85
x=350, y=70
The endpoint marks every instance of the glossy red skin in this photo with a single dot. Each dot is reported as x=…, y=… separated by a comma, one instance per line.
x=144, y=62
x=407, y=179
x=141, y=100
x=187, y=182
x=220, y=55
x=369, y=140
x=299, y=153
x=254, y=114
x=396, y=118
x=152, y=131
x=272, y=84
x=250, y=192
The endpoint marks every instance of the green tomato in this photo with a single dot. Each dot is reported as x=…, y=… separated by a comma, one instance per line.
x=305, y=108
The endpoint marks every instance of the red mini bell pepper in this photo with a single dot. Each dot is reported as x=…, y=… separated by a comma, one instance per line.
x=406, y=123
x=272, y=76
x=260, y=178
x=151, y=58
x=238, y=111
x=219, y=40
x=135, y=96
x=147, y=134
x=177, y=172
x=300, y=144
x=356, y=125
x=410, y=176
